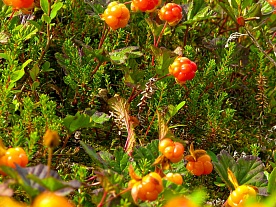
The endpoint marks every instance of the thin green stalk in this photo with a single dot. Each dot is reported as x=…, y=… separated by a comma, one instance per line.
x=48, y=32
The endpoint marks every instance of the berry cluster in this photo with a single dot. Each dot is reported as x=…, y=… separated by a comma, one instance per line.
x=183, y=69
x=171, y=12
x=171, y=150
x=175, y=178
x=240, y=195
x=116, y=15
x=148, y=188
x=14, y=156
x=24, y=5
x=145, y=5
x=199, y=162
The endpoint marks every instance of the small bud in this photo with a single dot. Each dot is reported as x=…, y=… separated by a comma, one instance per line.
x=51, y=138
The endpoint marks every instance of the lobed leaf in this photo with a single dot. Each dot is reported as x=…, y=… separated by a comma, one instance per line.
x=247, y=170
x=224, y=162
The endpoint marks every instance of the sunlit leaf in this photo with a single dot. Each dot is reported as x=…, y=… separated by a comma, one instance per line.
x=44, y=6
x=55, y=8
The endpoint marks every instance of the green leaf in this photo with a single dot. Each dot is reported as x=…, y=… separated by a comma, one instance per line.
x=212, y=155
x=46, y=18
x=27, y=62
x=173, y=110
x=132, y=73
x=54, y=184
x=122, y=55
x=82, y=120
x=163, y=58
x=93, y=155
x=224, y=161
x=73, y=123
x=195, y=8
x=99, y=117
x=4, y=56
x=228, y=9
x=55, y=8
x=36, y=24
x=46, y=67
x=24, y=32
x=120, y=162
x=17, y=75
x=247, y=170
x=150, y=151
x=154, y=27
x=45, y=6
x=35, y=84
x=34, y=72
x=272, y=182
x=250, y=170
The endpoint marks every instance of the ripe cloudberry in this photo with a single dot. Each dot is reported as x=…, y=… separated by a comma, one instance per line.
x=171, y=150
x=171, y=12
x=272, y=2
x=148, y=188
x=14, y=156
x=20, y=4
x=116, y=15
x=183, y=69
x=47, y=199
x=145, y=5
x=199, y=162
x=175, y=178
x=238, y=197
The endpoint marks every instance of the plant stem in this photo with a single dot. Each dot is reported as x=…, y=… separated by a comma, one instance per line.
x=155, y=43
x=48, y=30
x=161, y=34
x=153, y=118
x=259, y=47
x=50, y=155
x=185, y=36
x=103, y=199
x=104, y=34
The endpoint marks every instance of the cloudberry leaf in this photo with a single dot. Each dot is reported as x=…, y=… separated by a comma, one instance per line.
x=247, y=170
x=163, y=58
